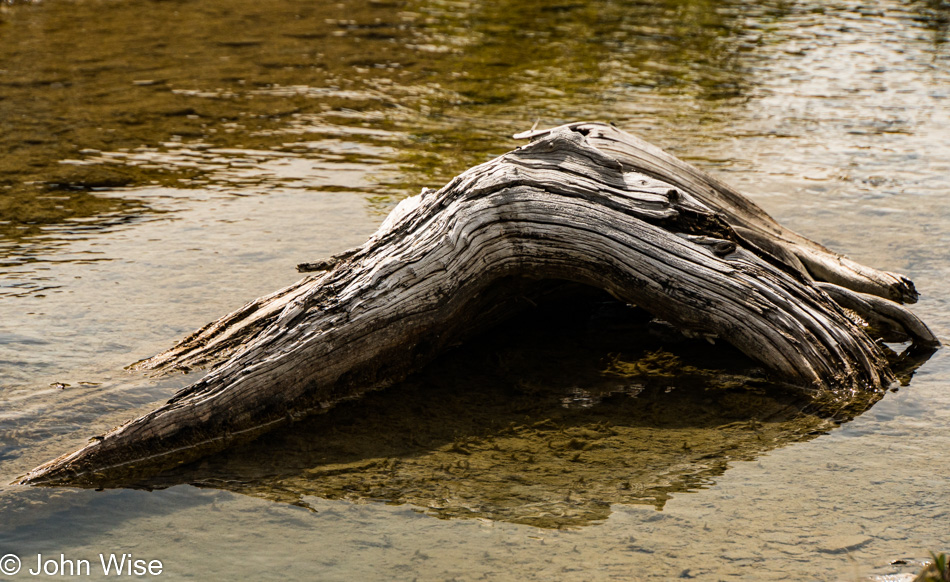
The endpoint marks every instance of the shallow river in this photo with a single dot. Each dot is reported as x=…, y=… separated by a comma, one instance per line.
x=162, y=162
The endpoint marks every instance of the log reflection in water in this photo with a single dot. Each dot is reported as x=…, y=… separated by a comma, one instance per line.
x=579, y=404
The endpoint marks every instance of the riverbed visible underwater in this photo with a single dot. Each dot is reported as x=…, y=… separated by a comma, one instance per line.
x=164, y=161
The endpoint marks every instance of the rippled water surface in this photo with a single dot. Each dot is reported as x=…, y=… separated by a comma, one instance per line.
x=162, y=162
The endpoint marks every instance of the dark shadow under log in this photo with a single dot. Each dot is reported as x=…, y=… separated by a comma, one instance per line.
x=550, y=419
x=584, y=203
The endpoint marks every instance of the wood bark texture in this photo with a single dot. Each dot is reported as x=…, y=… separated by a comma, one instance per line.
x=585, y=203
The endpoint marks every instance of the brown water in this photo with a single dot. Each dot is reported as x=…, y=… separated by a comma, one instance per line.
x=163, y=162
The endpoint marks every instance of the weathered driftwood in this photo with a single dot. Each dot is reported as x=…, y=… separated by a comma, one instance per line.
x=586, y=203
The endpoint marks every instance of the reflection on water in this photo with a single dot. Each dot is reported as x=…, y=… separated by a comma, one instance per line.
x=163, y=162
x=547, y=421
x=196, y=95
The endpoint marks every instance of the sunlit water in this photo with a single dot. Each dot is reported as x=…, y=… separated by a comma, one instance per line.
x=163, y=162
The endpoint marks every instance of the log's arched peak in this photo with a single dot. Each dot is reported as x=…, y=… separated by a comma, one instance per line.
x=586, y=203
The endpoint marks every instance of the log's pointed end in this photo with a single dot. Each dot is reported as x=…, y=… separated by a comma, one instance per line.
x=95, y=465
x=58, y=471
x=36, y=477
x=886, y=284
x=904, y=289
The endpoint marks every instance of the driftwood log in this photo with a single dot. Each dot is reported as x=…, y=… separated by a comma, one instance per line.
x=585, y=203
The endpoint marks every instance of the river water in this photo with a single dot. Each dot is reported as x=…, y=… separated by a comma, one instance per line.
x=162, y=162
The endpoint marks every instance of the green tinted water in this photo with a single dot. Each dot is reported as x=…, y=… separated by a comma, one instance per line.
x=163, y=162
